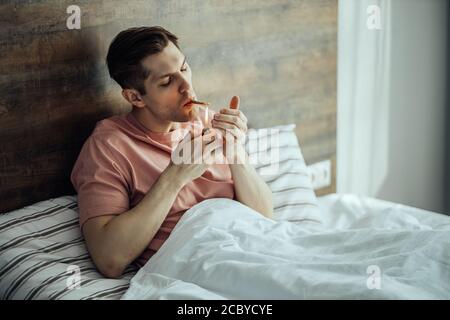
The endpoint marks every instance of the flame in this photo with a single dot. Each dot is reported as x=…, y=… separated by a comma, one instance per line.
x=206, y=115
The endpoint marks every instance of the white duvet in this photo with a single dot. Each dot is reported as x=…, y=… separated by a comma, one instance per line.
x=221, y=249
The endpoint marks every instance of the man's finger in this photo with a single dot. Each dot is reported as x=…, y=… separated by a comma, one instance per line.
x=230, y=119
x=234, y=112
x=234, y=103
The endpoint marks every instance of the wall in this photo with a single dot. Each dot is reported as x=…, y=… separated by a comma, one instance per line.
x=279, y=56
x=417, y=104
x=416, y=107
x=447, y=127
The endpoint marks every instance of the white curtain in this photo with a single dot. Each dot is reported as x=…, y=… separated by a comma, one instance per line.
x=363, y=95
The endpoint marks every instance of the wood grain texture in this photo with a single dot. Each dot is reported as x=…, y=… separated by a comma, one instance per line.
x=278, y=56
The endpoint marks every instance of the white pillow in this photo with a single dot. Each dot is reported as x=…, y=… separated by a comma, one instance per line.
x=275, y=153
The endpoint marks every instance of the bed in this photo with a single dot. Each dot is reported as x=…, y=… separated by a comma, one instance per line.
x=40, y=242
x=338, y=246
x=279, y=56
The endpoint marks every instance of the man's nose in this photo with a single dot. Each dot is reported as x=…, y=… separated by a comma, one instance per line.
x=185, y=85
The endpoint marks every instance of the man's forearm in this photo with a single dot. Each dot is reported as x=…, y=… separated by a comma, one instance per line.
x=128, y=234
x=251, y=190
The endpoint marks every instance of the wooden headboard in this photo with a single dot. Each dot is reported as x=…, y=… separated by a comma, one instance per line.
x=278, y=56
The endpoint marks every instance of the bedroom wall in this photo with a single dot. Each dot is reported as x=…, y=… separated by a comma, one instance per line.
x=279, y=56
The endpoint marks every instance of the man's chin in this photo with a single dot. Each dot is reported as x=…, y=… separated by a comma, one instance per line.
x=191, y=114
x=186, y=116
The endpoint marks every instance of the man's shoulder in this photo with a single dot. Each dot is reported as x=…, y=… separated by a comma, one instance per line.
x=111, y=131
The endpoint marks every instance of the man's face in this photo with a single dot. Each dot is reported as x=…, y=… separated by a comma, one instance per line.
x=169, y=85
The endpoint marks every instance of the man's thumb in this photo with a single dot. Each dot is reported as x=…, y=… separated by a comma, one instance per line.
x=234, y=103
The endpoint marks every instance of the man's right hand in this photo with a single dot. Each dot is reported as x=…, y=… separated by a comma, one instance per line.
x=187, y=162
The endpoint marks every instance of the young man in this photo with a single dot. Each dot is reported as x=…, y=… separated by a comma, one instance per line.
x=130, y=193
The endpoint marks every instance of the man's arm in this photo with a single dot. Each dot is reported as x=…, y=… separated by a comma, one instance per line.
x=115, y=241
x=250, y=189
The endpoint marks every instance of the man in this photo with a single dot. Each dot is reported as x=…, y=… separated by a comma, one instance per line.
x=130, y=192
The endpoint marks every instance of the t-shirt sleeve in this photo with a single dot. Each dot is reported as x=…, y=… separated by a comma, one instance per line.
x=99, y=181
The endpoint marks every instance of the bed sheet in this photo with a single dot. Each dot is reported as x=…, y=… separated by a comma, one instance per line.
x=391, y=254
x=351, y=211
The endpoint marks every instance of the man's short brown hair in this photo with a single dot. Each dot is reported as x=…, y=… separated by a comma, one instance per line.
x=128, y=49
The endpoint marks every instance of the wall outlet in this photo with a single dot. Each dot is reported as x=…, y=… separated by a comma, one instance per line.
x=320, y=173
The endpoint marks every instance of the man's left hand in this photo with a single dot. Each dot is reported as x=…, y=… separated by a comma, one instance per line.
x=231, y=120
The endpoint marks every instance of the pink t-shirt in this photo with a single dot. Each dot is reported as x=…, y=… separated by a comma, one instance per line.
x=121, y=160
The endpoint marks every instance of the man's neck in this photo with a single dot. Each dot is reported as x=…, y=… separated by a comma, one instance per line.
x=148, y=120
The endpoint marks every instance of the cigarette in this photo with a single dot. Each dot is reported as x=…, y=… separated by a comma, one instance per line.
x=200, y=102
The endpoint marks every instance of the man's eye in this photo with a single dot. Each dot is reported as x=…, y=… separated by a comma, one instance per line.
x=185, y=68
x=166, y=84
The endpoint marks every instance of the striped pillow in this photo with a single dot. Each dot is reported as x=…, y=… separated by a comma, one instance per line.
x=39, y=247
x=275, y=153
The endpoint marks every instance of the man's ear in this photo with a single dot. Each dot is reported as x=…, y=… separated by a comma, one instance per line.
x=134, y=97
